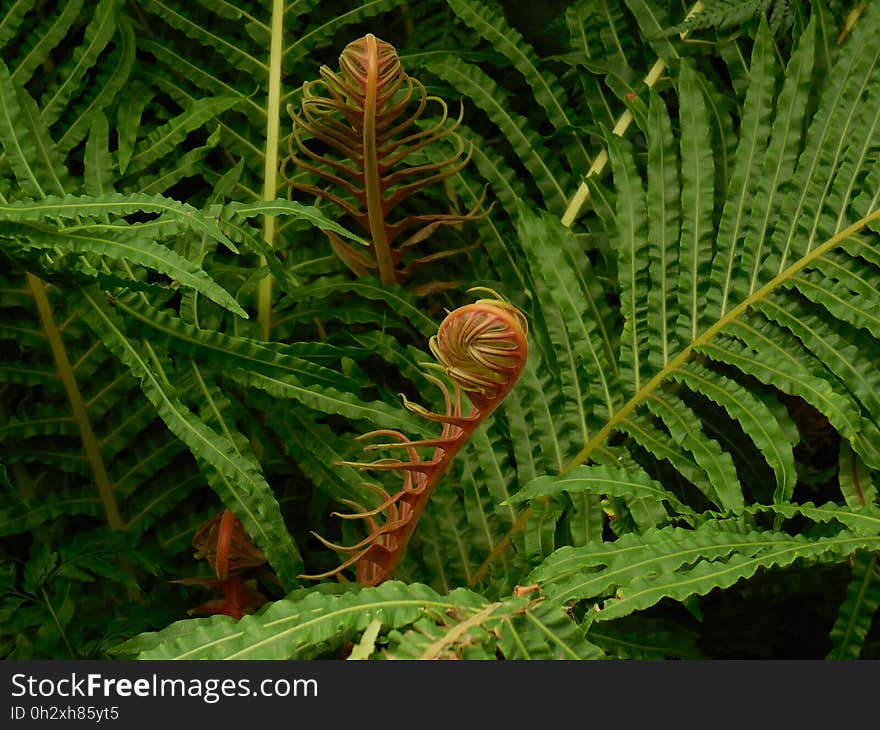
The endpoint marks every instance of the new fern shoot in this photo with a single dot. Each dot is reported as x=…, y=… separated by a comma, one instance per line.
x=482, y=349
x=360, y=132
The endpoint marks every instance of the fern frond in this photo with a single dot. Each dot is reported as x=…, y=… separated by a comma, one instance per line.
x=227, y=350
x=635, y=572
x=450, y=541
x=807, y=356
x=858, y=609
x=493, y=27
x=580, y=340
x=726, y=13
x=463, y=635
x=301, y=626
x=21, y=518
x=364, y=115
x=326, y=399
x=167, y=138
x=100, y=93
x=517, y=628
x=129, y=243
x=600, y=480
x=663, y=232
x=180, y=19
x=419, y=623
x=37, y=166
x=469, y=79
x=855, y=480
x=400, y=304
x=482, y=349
x=97, y=35
x=13, y=18
x=235, y=475
x=642, y=638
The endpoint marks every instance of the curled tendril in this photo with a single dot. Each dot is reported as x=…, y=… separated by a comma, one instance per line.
x=481, y=348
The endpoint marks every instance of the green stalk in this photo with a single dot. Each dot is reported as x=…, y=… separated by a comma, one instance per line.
x=270, y=172
x=77, y=404
x=620, y=127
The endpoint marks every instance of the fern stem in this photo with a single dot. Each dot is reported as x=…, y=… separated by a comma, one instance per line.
x=623, y=121
x=482, y=350
x=77, y=404
x=675, y=363
x=850, y=21
x=270, y=171
x=375, y=213
x=58, y=625
x=422, y=502
x=501, y=547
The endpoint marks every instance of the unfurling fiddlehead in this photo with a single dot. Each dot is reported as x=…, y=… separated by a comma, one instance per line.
x=482, y=349
x=364, y=121
x=223, y=542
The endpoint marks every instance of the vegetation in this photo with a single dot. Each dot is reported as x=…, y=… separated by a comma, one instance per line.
x=639, y=240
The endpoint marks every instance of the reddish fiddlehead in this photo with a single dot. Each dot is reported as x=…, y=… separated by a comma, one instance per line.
x=223, y=542
x=357, y=131
x=481, y=348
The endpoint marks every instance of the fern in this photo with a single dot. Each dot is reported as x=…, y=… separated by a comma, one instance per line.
x=363, y=114
x=857, y=611
x=59, y=226
x=309, y=626
x=637, y=571
x=666, y=327
x=682, y=201
x=482, y=349
x=696, y=334
x=726, y=13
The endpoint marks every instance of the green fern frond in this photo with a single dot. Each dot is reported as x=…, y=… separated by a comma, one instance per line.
x=60, y=90
x=547, y=91
x=525, y=630
x=13, y=18
x=100, y=92
x=235, y=475
x=726, y=13
x=583, y=345
x=419, y=624
x=636, y=572
x=601, y=480
x=302, y=626
x=858, y=609
x=686, y=211
x=641, y=638
x=855, y=480
x=788, y=252
x=470, y=80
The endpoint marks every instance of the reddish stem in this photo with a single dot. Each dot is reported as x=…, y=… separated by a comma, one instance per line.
x=482, y=348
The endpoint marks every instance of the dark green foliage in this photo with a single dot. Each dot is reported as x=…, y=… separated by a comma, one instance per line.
x=688, y=466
